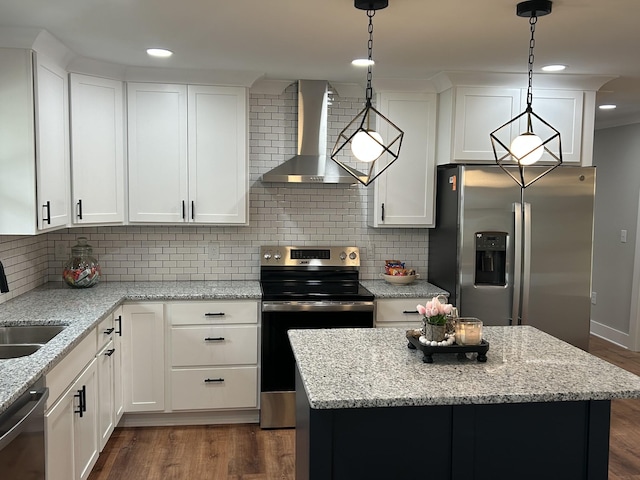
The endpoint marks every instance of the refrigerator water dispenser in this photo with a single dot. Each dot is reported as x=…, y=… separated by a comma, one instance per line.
x=491, y=256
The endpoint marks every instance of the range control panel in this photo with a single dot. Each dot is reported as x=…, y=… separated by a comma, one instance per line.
x=312, y=256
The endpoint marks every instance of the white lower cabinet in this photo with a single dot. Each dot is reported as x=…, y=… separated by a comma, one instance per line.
x=399, y=312
x=106, y=411
x=143, y=360
x=72, y=429
x=214, y=355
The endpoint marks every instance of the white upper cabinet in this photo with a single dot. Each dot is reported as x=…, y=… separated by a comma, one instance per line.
x=187, y=154
x=97, y=149
x=34, y=143
x=403, y=195
x=562, y=109
x=467, y=115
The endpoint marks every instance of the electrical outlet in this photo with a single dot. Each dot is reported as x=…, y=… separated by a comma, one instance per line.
x=214, y=251
x=593, y=298
x=60, y=251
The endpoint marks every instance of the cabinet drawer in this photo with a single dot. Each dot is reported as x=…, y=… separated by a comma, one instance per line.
x=213, y=312
x=214, y=345
x=399, y=310
x=105, y=331
x=208, y=388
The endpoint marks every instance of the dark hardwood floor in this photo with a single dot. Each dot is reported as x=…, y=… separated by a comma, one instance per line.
x=245, y=452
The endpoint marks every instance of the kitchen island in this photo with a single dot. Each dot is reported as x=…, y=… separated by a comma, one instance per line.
x=368, y=407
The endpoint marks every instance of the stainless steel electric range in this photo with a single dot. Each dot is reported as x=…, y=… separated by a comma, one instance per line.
x=303, y=287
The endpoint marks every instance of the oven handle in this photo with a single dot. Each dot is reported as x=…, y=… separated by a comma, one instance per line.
x=318, y=306
x=37, y=398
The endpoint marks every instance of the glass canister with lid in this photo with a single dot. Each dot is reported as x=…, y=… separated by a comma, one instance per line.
x=82, y=269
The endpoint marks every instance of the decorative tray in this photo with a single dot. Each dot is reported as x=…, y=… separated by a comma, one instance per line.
x=428, y=350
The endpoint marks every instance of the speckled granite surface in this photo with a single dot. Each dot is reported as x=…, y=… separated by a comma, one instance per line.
x=81, y=310
x=360, y=368
x=419, y=289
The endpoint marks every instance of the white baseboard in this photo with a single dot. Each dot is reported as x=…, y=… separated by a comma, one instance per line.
x=610, y=334
x=169, y=419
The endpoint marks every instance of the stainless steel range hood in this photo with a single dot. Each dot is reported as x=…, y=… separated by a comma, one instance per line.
x=311, y=164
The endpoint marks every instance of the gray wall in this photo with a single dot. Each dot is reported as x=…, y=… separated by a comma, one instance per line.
x=617, y=158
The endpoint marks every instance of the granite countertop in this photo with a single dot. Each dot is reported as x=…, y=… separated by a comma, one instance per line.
x=81, y=310
x=362, y=368
x=417, y=289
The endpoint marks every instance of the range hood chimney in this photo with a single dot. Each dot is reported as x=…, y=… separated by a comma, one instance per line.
x=311, y=164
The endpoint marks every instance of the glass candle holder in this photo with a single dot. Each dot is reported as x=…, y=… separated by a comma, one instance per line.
x=469, y=331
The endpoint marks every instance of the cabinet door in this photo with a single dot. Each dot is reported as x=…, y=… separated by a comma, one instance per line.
x=59, y=438
x=85, y=427
x=97, y=149
x=404, y=193
x=118, y=391
x=52, y=144
x=563, y=109
x=479, y=111
x=157, y=127
x=143, y=359
x=398, y=312
x=105, y=397
x=217, y=124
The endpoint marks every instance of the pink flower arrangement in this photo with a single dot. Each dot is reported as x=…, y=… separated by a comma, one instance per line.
x=434, y=311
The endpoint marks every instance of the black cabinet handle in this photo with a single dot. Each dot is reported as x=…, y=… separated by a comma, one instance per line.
x=214, y=314
x=213, y=339
x=79, y=214
x=213, y=380
x=47, y=207
x=110, y=352
x=410, y=311
x=82, y=401
x=108, y=331
x=119, y=321
x=383, y=212
x=183, y=217
x=193, y=210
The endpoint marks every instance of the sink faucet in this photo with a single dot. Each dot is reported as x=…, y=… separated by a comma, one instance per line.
x=4, y=286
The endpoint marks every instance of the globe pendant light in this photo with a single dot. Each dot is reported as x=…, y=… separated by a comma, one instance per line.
x=368, y=149
x=527, y=148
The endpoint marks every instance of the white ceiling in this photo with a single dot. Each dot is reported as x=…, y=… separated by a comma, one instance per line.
x=291, y=39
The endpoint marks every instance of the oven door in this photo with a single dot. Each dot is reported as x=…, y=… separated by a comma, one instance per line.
x=277, y=393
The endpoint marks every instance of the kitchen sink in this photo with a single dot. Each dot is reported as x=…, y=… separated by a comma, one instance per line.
x=28, y=334
x=15, y=351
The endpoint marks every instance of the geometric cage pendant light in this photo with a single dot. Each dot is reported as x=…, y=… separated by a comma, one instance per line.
x=370, y=142
x=528, y=147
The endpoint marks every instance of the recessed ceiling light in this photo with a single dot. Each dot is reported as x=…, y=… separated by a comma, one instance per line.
x=607, y=107
x=159, y=52
x=362, y=62
x=553, y=68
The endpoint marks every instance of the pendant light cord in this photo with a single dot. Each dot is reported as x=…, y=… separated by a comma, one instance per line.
x=532, y=43
x=369, y=91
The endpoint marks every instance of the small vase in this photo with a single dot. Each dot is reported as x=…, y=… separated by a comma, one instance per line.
x=434, y=333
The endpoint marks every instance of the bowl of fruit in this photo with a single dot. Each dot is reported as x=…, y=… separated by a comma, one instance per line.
x=396, y=273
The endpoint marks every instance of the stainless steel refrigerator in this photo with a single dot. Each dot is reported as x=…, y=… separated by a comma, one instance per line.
x=509, y=265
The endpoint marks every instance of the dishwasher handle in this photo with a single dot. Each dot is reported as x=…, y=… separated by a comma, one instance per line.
x=16, y=426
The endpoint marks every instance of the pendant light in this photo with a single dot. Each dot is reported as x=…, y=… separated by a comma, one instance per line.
x=528, y=147
x=367, y=147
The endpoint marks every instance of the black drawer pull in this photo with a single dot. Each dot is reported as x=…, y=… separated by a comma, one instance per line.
x=109, y=331
x=213, y=339
x=110, y=352
x=213, y=380
x=214, y=314
x=410, y=311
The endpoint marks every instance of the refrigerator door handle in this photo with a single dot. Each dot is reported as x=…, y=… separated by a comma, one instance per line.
x=526, y=263
x=517, y=263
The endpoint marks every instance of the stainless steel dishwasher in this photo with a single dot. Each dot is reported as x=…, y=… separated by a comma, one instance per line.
x=22, y=450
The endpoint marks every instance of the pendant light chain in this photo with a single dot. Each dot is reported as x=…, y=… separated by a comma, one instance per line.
x=369, y=91
x=532, y=43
